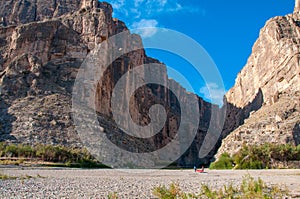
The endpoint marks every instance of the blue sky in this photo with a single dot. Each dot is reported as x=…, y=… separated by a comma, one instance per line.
x=226, y=29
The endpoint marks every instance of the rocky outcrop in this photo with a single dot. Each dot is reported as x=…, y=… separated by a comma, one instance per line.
x=297, y=6
x=26, y=11
x=273, y=73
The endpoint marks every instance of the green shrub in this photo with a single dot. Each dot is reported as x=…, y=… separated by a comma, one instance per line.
x=25, y=151
x=11, y=150
x=113, y=196
x=173, y=192
x=224, y=162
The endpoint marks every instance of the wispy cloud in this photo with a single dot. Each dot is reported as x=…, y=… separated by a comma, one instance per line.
x=145, y=27
x=133, y=11
x=118, y=4
x=137, y=3
x=176, y=8
x=213, y=92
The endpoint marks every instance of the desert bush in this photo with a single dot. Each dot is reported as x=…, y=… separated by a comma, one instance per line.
x=224, y=162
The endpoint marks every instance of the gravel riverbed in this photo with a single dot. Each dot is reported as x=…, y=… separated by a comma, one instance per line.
x=100, y=183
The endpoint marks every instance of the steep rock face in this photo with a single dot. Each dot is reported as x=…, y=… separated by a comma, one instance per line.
x=273, y=73
x=26, y=11
x=273, y=65
x=38, y=65
x=42, y=48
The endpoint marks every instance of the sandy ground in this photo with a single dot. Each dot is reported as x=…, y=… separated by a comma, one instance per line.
x=78, y=183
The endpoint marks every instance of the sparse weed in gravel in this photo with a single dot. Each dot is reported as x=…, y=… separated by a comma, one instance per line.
x=113, y=195
x=7, y=177
x=249, y=189
x=173, y=192
x=26, y=177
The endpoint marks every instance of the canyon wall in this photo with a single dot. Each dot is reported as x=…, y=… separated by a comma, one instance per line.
x=270, y=81
x=43, y=45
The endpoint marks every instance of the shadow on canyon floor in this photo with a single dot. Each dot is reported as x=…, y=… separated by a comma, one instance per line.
x=6, y=120
x=296, y=133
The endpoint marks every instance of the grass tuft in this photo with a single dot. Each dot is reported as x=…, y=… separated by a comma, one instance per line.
x=113, y=195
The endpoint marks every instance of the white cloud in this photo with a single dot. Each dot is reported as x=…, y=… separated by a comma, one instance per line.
x=161, y=3
x=145, y=27
x=213, y=92
x=137, y=3
x=148, y=8
x=177, y=7
x=136, y=13
x=118, y=4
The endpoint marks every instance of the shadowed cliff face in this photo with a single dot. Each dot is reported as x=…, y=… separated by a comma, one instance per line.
x=235, y=119
x=296, y=133
x=6, y=121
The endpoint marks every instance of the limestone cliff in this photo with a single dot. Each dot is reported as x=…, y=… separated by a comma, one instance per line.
x=43, y=45
x=39, y=59
x=268, y=88
x=26, y=11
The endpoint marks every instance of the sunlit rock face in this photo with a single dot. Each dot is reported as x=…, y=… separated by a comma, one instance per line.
x=297, y=6
x=271, y=74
